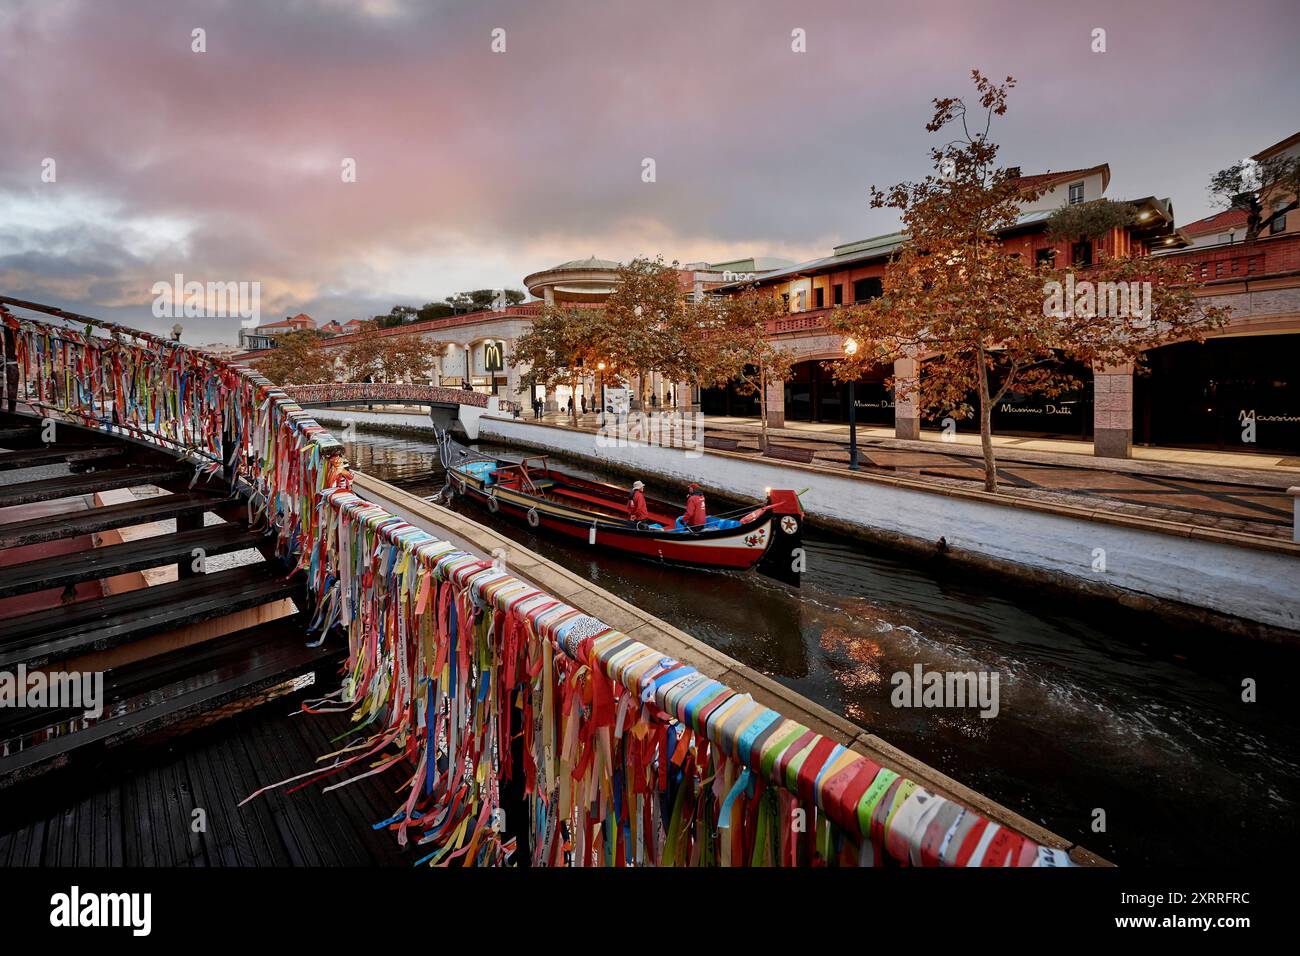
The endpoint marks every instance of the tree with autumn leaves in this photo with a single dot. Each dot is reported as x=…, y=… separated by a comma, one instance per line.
x=299, y=358
x=563, y=344
x=733, y=345
x=651, y=323
x=984, y=322
x=302, y=358
x=390, y=358
x=654, y=324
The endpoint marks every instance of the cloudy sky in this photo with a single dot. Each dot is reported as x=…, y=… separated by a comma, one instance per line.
x=474, y=168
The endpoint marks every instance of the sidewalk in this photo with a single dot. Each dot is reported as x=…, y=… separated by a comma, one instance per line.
x=1053, y=446
x=1222, y=490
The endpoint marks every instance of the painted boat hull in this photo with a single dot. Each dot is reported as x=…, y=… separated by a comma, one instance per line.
x=736, y=549
x=588, y=513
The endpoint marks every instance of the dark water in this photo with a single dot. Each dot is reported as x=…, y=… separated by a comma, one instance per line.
x=1099, y=710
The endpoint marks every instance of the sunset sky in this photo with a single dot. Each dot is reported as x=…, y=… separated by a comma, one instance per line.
x=475, y=168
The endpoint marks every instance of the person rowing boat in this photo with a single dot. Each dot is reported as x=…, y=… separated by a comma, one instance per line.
x=636, y=508
x=697, y=513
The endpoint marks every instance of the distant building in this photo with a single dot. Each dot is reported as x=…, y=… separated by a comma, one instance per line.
x=1281, y=222
x=263, y=336
x=854, y=273
x=1070, y=187
x=589, y=282
x=1221, y=229
x=592, y=281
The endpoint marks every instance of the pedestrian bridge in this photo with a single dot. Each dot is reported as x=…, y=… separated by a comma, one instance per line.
x=447, y=406
x=383, y=393
x=493, y=720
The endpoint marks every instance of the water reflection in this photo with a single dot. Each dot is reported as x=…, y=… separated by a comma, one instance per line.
x=1098, y=709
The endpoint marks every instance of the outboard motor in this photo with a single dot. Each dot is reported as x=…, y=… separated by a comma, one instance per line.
x=784, y=559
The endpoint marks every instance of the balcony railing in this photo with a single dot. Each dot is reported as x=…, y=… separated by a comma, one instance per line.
x=811, y=321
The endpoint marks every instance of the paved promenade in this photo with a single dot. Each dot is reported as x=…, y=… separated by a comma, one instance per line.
x=1227, y=491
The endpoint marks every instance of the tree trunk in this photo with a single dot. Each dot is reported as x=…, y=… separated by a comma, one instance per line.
x=762, y=410
x=573, y=399
x=986, y=428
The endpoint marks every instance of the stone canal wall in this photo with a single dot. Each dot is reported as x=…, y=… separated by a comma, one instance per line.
x=647, y=629
x=1237, y=582
x=393, y=423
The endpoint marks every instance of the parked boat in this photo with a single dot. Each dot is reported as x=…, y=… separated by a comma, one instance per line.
x=546, y=498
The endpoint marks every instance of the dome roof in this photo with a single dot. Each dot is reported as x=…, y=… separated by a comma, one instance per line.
x=592, y=263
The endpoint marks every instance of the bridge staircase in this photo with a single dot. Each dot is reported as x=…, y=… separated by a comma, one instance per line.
x=86, y=542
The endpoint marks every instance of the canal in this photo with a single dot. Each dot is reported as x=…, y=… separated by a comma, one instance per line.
x=1106, y=718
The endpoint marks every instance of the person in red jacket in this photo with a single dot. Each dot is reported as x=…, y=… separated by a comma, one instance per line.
x=696, y=512
x=636, y=509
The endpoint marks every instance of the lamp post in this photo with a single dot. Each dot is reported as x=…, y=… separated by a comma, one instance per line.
x=851, y=349
x=600, y=366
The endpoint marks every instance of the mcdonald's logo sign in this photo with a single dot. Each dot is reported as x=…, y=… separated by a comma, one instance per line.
x=494, y=356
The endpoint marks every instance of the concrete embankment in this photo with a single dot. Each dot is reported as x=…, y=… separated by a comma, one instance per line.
x=1239, y=583
x=385, y=423
x=663, y=637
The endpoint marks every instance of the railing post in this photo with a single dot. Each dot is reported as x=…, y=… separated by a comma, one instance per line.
x=229, y=468
x=1294, y=492
x=11, y=371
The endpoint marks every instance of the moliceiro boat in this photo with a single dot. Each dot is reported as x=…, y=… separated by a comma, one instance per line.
x=769, y=536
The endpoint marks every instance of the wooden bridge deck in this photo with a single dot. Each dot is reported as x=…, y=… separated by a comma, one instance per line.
x=185, y=656
x=143, y=814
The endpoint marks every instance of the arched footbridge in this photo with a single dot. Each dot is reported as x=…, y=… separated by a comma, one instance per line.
x=447, y=406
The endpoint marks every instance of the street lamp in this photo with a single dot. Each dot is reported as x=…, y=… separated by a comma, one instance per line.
x=851, y=349
x=600, y=366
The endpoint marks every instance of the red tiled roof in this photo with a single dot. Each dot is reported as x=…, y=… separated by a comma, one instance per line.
x=1228, y=219
x=1043, y=180
x=300, y=321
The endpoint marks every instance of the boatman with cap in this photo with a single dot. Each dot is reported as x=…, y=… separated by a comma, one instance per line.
x=636, y=509
x=696, y=512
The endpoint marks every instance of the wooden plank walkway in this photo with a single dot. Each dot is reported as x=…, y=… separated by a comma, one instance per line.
x=142, y=813
x=138, y=555
x=47, y=489
x=140, y=511
x=153, y=690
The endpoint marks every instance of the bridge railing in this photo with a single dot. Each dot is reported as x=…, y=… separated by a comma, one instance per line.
x=225, y=418
x=488, y=694
x=384, y=392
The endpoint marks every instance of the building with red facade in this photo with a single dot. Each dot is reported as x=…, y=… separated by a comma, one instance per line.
x=1195, y=395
